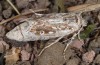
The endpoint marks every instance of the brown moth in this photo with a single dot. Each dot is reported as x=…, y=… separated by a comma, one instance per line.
x=49, y=26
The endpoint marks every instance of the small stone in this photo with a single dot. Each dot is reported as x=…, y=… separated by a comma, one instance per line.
x=25, y=55
x=95, y=44
x=73, y=61
x=7, y=13
x=88, y=56
x=52, y=55
x=22, y=3
x=77, y=44
x=97, y=59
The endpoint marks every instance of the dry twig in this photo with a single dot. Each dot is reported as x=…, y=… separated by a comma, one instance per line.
x=17, y=16
x=13, y=7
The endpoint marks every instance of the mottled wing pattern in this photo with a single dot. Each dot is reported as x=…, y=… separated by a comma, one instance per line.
x=47, y=27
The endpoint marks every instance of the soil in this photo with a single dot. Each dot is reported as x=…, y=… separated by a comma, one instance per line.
x=81, y=52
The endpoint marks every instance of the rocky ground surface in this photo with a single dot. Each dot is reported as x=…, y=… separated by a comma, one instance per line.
x=81, y=52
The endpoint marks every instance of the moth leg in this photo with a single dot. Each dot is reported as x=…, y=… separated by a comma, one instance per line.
x=73, y=37
x=81, y=22
x=79, y=33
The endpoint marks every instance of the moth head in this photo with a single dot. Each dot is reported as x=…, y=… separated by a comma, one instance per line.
x=17, y=32
x=14, y=34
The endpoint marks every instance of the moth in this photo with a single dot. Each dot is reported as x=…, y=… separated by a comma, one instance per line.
x=49, y=26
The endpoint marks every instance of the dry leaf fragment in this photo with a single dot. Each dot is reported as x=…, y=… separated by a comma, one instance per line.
x=12, y=57
x=88, y=56
x=83, y=7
